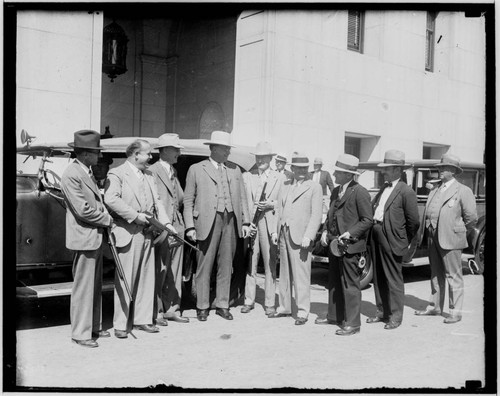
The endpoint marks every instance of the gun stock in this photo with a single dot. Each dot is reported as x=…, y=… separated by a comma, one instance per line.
x=118, y=263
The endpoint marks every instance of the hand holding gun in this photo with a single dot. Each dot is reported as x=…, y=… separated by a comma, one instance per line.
x=161, y=227
x=253, y=227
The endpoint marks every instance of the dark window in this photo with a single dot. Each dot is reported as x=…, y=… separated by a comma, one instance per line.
x=468, y=178
x=429, y=41
x=426, y=153
x=352, y=146
x=355, y=26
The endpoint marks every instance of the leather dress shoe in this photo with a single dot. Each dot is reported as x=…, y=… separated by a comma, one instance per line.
x=278, y=315
x=121, y=334
x=452, y=319
x=178, y=319
x=246, y=308
x=101, y=334
x=428, y=312
x=270, y=311
x=224, y=313
x=86, y=343
x=300, y=321
x=202, y=314
x=148, y=328
x=375, y=319
x=161, y=322
x=391, y=325
x=347, y=331
x=325, y=321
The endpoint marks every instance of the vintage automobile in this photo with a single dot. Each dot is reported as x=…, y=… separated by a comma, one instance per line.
x=43, y=267
x=421, y=176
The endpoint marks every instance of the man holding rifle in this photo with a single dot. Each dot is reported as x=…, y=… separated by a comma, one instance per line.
x=262, y=186
x=86, y=219
x=132, y=198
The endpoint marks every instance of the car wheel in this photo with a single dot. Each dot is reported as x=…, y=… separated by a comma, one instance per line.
x=478, y=266
x=366, y=272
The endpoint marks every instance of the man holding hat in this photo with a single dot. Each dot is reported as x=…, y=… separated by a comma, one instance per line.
x=265, y=183
x=395, y=223
x=280, y=161
x=169, y=253
x=322, y=177
x=215, y=214
x=132, y=198
x=86, y=219
x=449, y=212
x=299, y=213
x=348, y=221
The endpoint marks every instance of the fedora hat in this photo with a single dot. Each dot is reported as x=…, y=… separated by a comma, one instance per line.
x=394, y=158
x=299, y=159
x=220, y=138
x=347, y=163
x=169, y=140
x=86, y=139
x=280, y=157
x=450, y=160
x=263, y=148
x=318, y=161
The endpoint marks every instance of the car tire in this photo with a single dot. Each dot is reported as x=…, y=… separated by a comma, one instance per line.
x=366, y=273
x=479, y=253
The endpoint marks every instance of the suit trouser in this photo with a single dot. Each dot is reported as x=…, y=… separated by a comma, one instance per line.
x=262, y=245
x=344, y=290
x=220, y=243
x=168, y=278
x=388, y=277
x=86, y=297
x=295, y=268
x=446, y=265
x=138, y=263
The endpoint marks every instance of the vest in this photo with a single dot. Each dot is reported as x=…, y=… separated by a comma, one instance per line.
x=223, y=192
x=432, y=213
x=146, y=195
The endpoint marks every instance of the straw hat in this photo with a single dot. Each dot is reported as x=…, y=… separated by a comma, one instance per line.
x=263, y=148
x=450, y=160
x=318, y=161
x=169, y=140
x=299, y=159
x=280, y=157
x=220, y=138
x=394, y=158
x=347, y=163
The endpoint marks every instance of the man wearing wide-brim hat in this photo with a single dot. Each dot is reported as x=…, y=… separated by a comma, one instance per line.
x=280, y=161
x=86, y=220
x=215, y=214
x=348, y=220
x=299, y=209
x=262, y=186
x=322, y=177
x=395, y=223
x=169, y=252
x=449, y=213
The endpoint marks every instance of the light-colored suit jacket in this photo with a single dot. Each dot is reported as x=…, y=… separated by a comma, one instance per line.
x=200, y=198
x=166, y=190
x=122, y=197
x=307, y=209
x=457, y=214
x=86, y=214
x=253, y=188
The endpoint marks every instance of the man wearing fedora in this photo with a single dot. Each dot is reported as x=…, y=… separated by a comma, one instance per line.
x=348, y=220
x=322, y=177
x=262, y=182
x=215, y=214
x=395, y=223
x=86, y=219
x=280, y=161
x=299, y=218
x=132, y=197
x=169, y=253
x=449, y=212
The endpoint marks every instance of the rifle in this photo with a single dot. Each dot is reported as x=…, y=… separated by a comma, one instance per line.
x=159, y=226
x=251, y=239
x=118, y=263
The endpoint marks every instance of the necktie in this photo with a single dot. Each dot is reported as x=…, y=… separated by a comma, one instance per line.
x=340, y=191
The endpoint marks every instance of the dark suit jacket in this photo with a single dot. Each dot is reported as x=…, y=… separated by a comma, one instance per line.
x=325, y=180
x=401, y=220
x=352, y=213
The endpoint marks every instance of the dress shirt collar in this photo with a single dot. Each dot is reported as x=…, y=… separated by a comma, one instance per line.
x=266, y=172
x=136, y=170
x=168, y=167
x=87, y=170
x=215, y=163
x=447, y=184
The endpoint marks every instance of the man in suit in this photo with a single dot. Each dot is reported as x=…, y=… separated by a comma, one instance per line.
x=395, y=223
x=322, y=177
x=449, y=212
x=348, y=220
x=215, y=214
x=266, y=182
x=299, y=214
x=169, y=253
x=86, y=219
x=132, y=197
x=280, y=161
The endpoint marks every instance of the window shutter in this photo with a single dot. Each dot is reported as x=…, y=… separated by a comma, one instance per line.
x=354, y=29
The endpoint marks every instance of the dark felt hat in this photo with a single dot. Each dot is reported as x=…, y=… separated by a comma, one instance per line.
x=87, y=139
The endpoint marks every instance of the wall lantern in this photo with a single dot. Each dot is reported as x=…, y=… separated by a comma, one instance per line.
x=114, y=50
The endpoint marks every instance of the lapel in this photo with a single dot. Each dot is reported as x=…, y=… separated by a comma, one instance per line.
x=88, y=181
x=271, y=182
x=450, y=192
x=348, y=192
x=162, y=174
x=256, y=186
x=286, y=192
x=393, y=195
x=429, y=198
x=210, y=170
x=301, y=189
x=132, y=180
